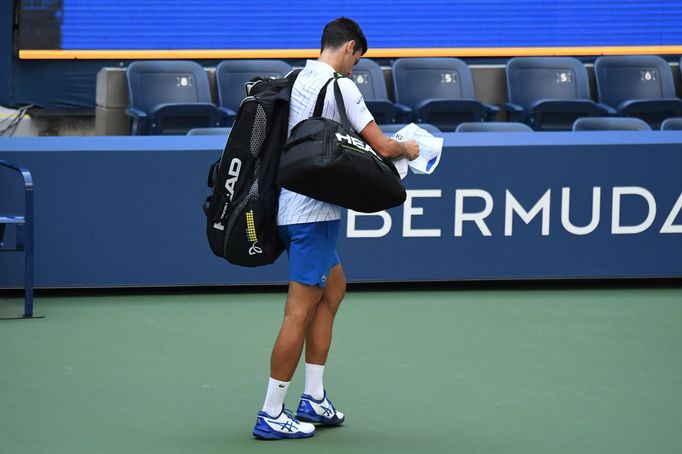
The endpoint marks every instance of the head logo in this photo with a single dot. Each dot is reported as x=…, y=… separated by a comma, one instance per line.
x=233, y=176
x=353, y=141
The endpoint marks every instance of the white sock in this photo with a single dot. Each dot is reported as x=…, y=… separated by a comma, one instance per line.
x=314, y=386
x=274, y=398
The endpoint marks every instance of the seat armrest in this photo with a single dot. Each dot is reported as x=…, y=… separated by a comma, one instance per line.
x=135, y=112
x=512, y=108
x=608, y=110
x=491, y=108
x=230, y=115
x=404, y=113
x=491, y=111
x=514, y=112
x=140, y=123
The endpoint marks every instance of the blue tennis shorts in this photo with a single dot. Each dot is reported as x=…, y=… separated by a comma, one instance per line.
x=311, y=248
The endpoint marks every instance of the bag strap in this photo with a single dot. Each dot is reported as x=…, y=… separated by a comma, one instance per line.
x=341, y=106
x=317, y=112
x=339, y=102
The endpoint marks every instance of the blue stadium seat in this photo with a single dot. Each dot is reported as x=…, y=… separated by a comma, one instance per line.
x=493, y=126
x=369, y=77
x=170, y=97
x=610, y=124
x=209, y=132
x=638, y=86
x=672, y=124
x=549, y=93
x=439, y=91
x=395, y=127
x=232, y=75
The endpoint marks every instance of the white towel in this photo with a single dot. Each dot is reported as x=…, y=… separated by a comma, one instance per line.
x=430, y=148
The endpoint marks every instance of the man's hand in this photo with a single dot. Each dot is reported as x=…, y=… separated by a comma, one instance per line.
x=411, y=149
x=387, y=147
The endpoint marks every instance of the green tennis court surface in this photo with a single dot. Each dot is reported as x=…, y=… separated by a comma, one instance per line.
x=415, y=371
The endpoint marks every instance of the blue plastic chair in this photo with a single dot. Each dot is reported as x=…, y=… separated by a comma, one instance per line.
x=672, y=124
x=639, y=86
x=170, y=97
x=549, y=93
x=395, y=127
x=494, y=126
x=24, y=235
x=439, y=91
x=611, y=124
x=369, y=77
x=232, y=76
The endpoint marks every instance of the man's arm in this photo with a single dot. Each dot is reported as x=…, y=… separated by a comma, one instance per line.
x=387, y=147
x=362, y=121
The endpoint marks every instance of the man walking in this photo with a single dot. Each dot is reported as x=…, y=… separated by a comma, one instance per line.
x=309, y=229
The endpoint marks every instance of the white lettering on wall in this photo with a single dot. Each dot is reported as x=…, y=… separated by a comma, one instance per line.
x=513, y=206
x=618, y=192
x=668, y=226
x=478, y=218
x=353, y=232
x=409, y=211
x=566, y=209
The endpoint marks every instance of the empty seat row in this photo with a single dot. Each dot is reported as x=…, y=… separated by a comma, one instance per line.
x=172, y=97
x=439, y=91
x=550, y=93
x=546, y=93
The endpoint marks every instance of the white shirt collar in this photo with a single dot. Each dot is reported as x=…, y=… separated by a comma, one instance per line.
x=320, y=66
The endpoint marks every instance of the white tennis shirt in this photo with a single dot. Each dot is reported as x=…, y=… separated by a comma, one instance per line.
x=295, y=208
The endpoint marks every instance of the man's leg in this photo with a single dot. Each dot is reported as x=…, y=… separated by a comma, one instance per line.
x=314, y=406
x=311, y=250
x=273, y=423
x=319, y=333
x=298, y=312
x=298, y=315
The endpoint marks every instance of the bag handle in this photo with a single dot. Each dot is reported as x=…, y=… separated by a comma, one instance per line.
x=339, y=102
x=341, y=106
x=317, y=112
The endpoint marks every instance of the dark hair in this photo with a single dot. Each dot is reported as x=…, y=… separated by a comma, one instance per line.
x=342, y=30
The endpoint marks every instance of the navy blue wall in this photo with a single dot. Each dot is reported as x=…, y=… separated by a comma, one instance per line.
x=126, y=212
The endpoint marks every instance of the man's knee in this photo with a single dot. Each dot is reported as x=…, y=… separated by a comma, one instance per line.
x=334, y=294
x=302, y=303
x=299, y=318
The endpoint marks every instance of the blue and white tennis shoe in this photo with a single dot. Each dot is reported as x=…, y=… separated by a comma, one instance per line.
x=319, y=411
x=283, y=426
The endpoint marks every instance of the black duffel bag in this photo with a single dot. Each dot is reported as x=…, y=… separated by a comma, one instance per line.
x=326, y=160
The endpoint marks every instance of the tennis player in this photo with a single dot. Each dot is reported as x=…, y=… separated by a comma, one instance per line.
x=309, y=229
